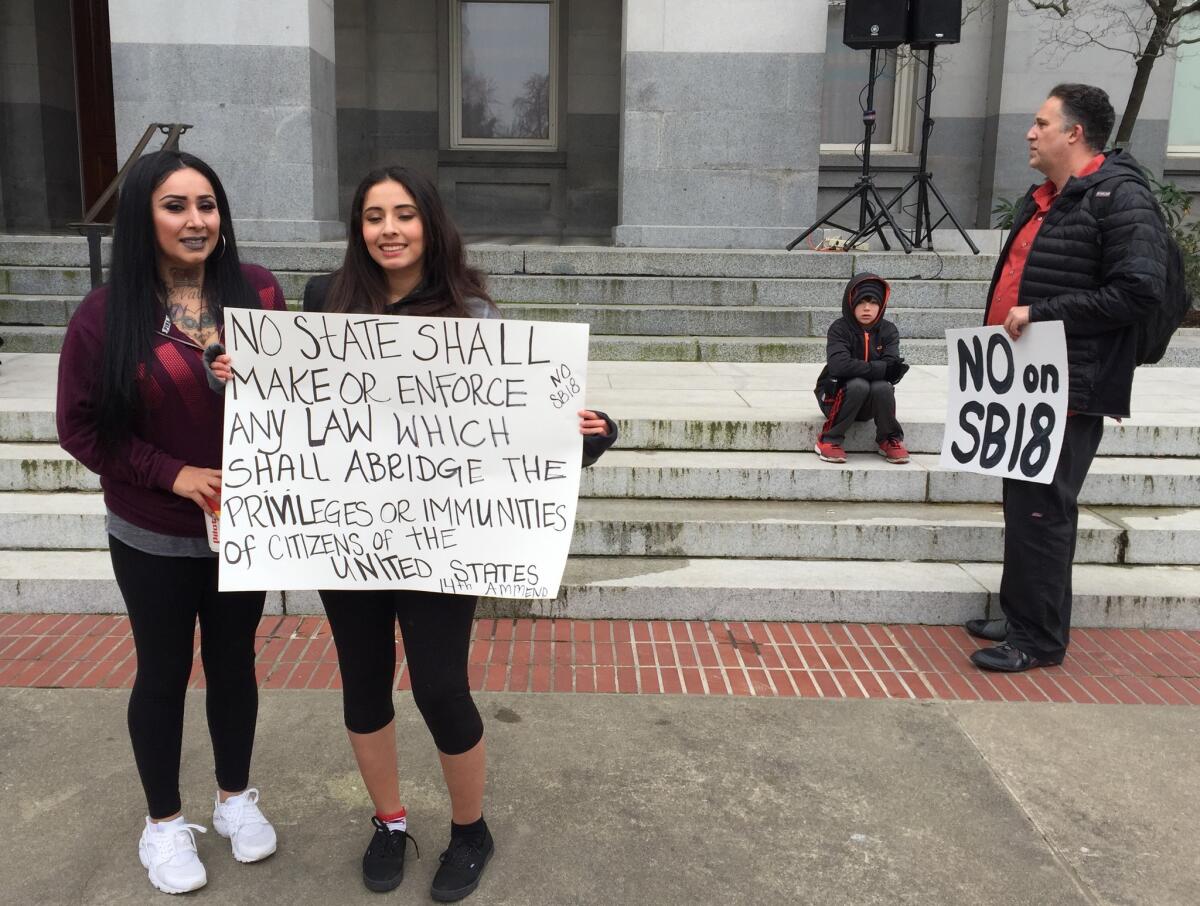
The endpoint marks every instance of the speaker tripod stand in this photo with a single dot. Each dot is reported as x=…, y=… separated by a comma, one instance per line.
x=923, y=182
x=873, y=213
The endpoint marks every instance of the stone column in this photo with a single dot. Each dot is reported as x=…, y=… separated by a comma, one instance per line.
x=720, y=122
x=256, y=81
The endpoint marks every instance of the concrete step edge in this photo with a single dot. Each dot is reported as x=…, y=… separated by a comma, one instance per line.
x=1184, y=351
x=622, y=457
x=705, y=475
x=735, y=529
x=781, y=431
x=646, y=588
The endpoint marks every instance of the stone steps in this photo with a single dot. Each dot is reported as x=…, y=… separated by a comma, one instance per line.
x=321, y=257
x=32, y=339
x=1124, y=481
x=727, y=407
x=713, y=589
x=713, y=322
x=642, y=304
x=712, y=505
x=665, y=320
x=706, y=475
x=652, y=285
x=732, y=430
x=613, y=319
x=737, y=293
x=51, y=311
x=1184, y=351
x=735, y=431
x=736, y=529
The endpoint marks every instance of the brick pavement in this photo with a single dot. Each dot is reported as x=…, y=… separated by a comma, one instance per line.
x=809, y=660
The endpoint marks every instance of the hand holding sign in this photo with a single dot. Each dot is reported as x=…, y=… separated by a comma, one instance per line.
x=1007, y=405
x=591, y=423
x=1016, y=320
x=198, y=485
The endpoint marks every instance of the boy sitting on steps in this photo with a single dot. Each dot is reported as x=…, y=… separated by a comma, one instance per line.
x=863, y=364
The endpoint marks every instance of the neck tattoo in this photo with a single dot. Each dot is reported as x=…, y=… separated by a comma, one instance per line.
x=186, y=308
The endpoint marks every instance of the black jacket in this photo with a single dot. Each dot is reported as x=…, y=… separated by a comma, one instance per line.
x=594, y=445
x=852, y=350
x=1098, y=264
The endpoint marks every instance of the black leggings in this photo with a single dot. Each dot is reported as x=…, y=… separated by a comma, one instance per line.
x=436, y=629
x=164, y=596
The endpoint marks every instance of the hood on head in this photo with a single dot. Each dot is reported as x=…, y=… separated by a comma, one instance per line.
x=865, y=285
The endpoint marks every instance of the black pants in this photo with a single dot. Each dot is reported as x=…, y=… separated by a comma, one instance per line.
x=857, y=401
x=1040, y=524
x=164, y=597
x=436, y=629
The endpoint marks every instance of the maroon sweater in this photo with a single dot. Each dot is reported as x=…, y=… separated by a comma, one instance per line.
x=179, y=422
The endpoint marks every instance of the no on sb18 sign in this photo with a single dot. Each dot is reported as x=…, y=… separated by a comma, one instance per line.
x=1007, y=405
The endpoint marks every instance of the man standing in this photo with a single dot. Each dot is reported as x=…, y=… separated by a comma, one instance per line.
x=1088, y=248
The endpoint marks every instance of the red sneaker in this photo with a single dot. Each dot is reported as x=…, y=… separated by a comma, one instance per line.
x=830, y=452
x=893, y=448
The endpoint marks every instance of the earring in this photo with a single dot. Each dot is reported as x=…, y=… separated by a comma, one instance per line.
x=222, y=251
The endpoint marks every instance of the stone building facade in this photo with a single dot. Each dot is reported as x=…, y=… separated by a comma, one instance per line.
x=676, y=123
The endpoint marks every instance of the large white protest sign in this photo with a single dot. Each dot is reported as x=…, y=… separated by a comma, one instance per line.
x=1007, y=406
x=398, y=452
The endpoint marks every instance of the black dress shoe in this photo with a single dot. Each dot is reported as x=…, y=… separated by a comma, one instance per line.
x=992, y=630
x=1008, y=659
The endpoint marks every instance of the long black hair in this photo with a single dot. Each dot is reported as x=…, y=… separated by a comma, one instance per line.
x=136, y=298
x=447, y=282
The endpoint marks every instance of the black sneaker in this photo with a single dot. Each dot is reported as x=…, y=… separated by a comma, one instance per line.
x=383, y=862
x=462, y=864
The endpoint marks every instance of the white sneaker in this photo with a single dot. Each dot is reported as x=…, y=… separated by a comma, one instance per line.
x=168, y=852
x=239, y=819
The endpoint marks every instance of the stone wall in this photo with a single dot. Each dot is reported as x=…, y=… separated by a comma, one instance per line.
x=721, y=121
x=256, y=81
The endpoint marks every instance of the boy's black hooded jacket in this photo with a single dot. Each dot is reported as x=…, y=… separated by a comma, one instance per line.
x=852, y=350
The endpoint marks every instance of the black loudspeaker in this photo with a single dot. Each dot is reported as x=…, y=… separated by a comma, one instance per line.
x=932, y=22
x=879, y=24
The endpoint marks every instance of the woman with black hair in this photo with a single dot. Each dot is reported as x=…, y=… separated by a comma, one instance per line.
x=404, y=256
x=135, y=406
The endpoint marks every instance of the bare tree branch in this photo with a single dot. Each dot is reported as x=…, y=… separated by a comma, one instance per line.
x=976, y=7
x=1133, y=29
x=1062, y=7
x=1144, y=31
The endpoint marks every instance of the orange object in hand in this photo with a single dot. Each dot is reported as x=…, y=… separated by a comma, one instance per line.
x=214, y=504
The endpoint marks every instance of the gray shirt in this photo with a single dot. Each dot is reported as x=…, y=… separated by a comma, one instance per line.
x=149, y=542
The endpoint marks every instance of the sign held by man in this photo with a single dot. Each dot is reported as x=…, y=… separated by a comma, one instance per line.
x=1007, y=404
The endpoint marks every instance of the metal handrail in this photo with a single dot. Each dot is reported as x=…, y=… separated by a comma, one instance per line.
x=94, y=230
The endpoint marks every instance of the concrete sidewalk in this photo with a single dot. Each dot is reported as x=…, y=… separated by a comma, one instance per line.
x=638, y=800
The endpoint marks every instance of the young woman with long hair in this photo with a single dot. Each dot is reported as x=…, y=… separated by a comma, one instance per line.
x=404, y=256
x=136, y=407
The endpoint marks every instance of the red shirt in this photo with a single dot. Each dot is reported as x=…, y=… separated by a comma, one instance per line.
x=1008, y=288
